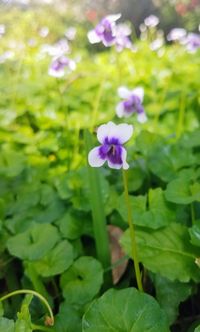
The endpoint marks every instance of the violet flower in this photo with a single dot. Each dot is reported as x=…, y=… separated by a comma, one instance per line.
x=151, y=21
x=112, y=137
x=60, y=66
x=105, y=31
x=192, y=42
x=122, y=40
x=176, y=34
x=132, y=103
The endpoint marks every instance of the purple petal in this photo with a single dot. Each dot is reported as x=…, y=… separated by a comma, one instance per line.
x=123, y=164
x=94, y=157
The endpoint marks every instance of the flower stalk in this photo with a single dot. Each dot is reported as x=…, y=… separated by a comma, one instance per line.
x=42, y=299
x=132, y=233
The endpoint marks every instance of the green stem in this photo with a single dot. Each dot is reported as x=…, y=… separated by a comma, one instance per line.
x=192, y=213
x=132, y=234
x=29, y=291
x=97, y=103
x=98, y=216
x=181, y=116
x=41, y=328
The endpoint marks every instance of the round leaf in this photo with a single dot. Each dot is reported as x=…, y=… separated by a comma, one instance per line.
x=126, y=310
x=34, y=243
x=82, y=281
x=162, y=250
x=56, y=261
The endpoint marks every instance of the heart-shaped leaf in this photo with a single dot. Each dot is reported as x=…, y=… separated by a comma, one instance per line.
x=82, y=281
x=126, y=310
x=34, y=243
x=56, y=261
x=162, y=250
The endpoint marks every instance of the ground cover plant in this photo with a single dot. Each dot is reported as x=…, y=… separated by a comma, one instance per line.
x=100, y=170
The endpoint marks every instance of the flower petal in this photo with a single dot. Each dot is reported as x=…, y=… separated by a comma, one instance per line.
x=120, y=109
x=94, y=158
x=142, y=117
x=56, y=73
x=124, y=164
x=93, y=37
x=139, y=91
x=124, y=92
x=124, y=132
x=113, y=18
x=104, y=131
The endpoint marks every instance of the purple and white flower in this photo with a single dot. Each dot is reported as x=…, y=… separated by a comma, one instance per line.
x=43, y=32
x=61, y=66
x=192, y=42
x=176, y=34
x=151, y=21
x=70, y=33
x=112, y=137
x=105, y=31
x=60, y=48
x=122, y=40
x=132, y=103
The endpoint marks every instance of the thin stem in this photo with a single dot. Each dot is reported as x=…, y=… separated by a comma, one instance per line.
x=181, y=116
x=192, y=213
x=132, y=234
x=41, y=328
x=29, y=291
x=97, y=103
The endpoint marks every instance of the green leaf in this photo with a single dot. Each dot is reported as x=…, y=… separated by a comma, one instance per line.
x=125, y=310
x=12, y=163
x=23, y=322
x=182, y=191
x=34, y=243
x=159, y=212
x=170, y=294
x=195, y=234
x=56, y=261
x=69, y=318
x=72, y=225
x=162, y=250
x=166, y=160
x=82, y=281
x=7, y=325
x=197, y=329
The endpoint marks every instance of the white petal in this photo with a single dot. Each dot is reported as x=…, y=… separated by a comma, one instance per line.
x=142, y=117
x=56, y=73
x=115, y=166
x=124, y=132
x=124, y=155
x=120, y=110
x=123, y=92
x=105, y=130
x=72, y=65
x=93, y=37
x=94, y=158
x=113, y=18
x=139, y=91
